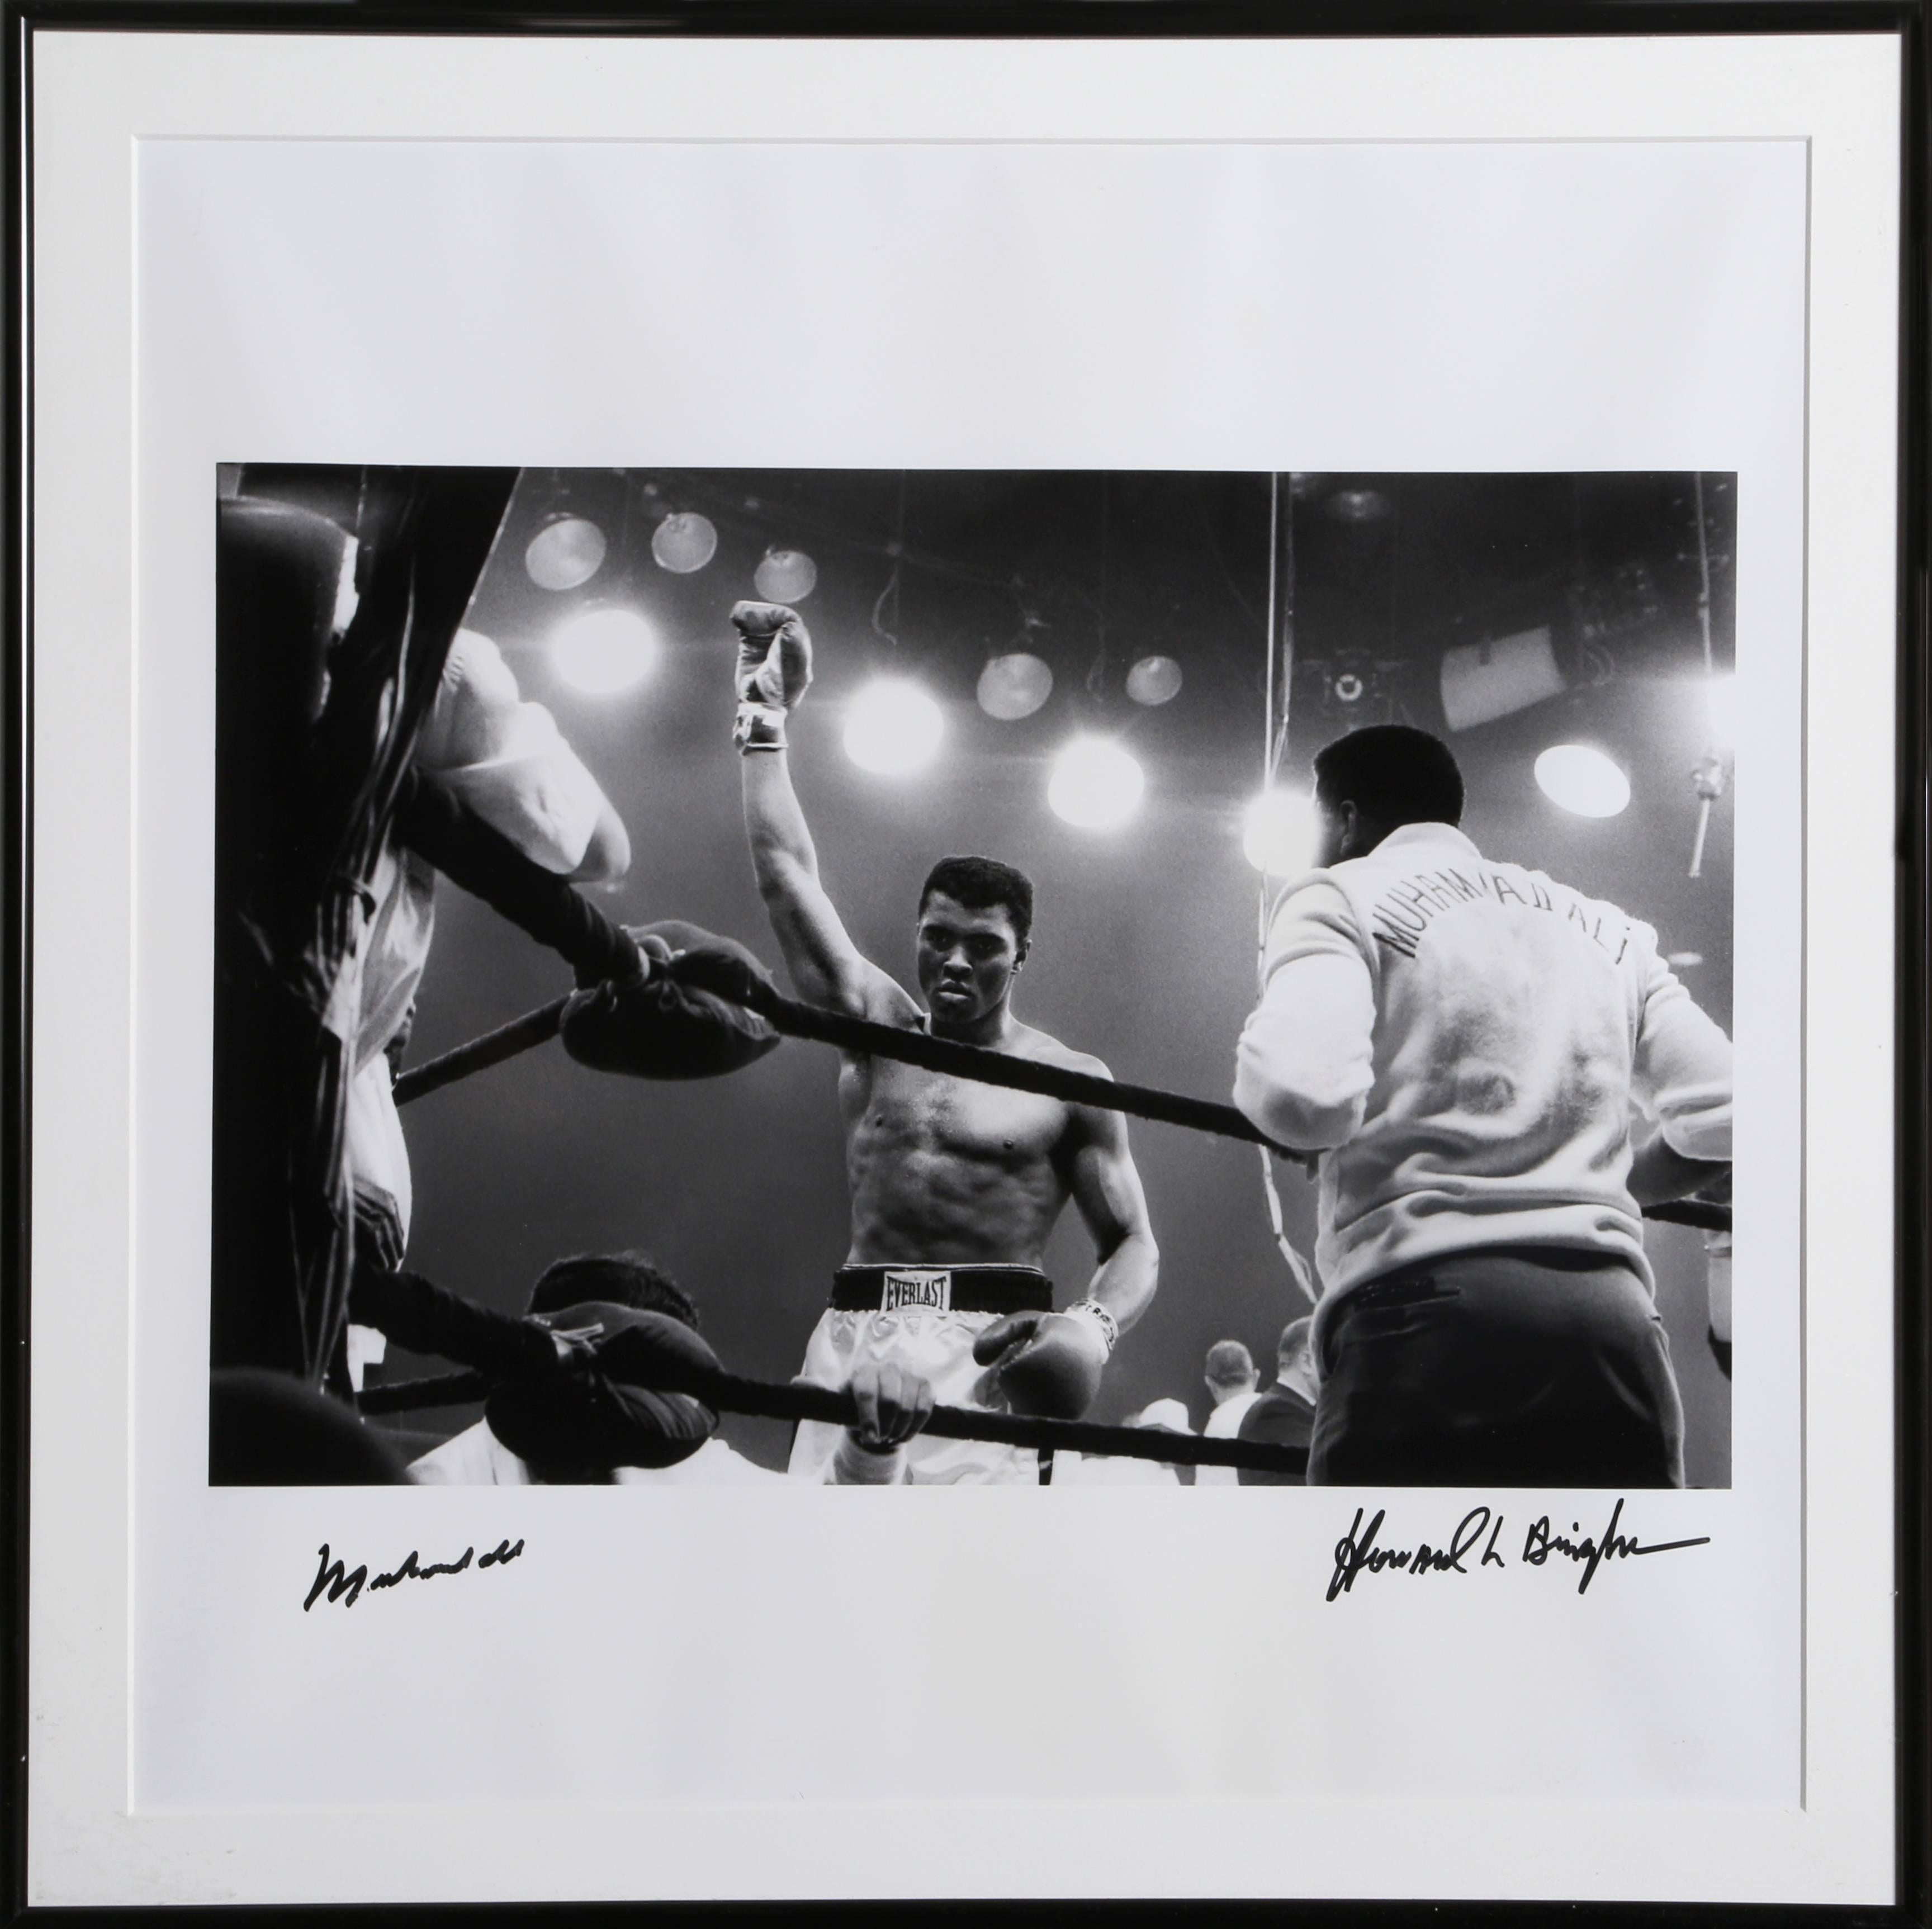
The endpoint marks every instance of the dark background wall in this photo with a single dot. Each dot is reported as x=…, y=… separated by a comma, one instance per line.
x=1144, y=951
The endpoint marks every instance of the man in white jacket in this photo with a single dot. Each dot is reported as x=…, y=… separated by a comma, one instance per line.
x=1463, y=1040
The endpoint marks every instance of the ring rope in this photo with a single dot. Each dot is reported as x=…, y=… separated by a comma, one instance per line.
x=941, y=1054
x=867, y=1037
x=730, y=1393
x=534, y=1028
x=436, y=1389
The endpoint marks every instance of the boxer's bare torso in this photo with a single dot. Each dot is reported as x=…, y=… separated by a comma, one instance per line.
x=945, y=1172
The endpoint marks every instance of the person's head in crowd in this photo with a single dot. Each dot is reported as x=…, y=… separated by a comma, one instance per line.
x=613, y=1279
x=629, y=1279
x=1231, y=1370
x=1375, y=780
x=1295, y=1363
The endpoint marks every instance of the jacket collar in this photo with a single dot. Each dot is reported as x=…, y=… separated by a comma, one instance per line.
x=1409, y=836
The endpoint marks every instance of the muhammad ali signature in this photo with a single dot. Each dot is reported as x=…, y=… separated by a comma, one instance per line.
x=1476, y=1537
x=344, y=1587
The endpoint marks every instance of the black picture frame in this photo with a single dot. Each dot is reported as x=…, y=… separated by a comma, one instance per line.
x=28, y=20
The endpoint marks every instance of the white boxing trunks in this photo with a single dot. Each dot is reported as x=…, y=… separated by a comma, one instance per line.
x=924, y=1319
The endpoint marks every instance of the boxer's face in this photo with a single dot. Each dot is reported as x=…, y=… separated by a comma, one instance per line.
x=966, y=959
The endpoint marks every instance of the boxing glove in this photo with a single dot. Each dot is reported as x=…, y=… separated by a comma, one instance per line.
x=1048, y=1364
x=774, y=671
x=686, y=1019
x=625, y=1400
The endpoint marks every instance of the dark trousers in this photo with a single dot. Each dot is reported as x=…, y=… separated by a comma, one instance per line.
x=1506, y=1367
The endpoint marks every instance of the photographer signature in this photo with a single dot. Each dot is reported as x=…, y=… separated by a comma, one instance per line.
x=1356, y=1552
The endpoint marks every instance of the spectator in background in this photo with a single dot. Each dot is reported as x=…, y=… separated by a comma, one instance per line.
x=1284, y=1416
x=1231, y=1382
x=1110, y=1470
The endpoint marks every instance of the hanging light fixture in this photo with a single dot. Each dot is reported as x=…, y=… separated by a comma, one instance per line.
x=1015, y=685
x=603, y=649
x=1583, y=779
x=1154, y=680
x=684, y=541
x=1280, y=832
x=565, y=553
x=785, y=576
x=893, y=728
x=1095, y=785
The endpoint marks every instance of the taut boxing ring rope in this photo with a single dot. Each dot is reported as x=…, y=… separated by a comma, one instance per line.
x=938, y=1054
x=499, y=1348
x=730, y=1393
x=880, y=1041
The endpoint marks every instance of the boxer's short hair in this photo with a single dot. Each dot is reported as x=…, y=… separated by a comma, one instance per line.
x=1392, y=772
x=983, y=884
x=617, y=1279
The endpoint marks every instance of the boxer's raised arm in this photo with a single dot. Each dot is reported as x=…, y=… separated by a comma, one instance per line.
x=773, y=672
x=824, y=963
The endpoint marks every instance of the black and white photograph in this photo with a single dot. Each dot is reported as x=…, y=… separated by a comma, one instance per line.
x=728, y=977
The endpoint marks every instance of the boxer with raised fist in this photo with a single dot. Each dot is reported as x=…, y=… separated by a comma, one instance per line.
x=956, y=1186
x=774, y=672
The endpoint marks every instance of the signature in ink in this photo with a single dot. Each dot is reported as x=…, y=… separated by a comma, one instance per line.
x=1356, y=1552
x=1541, y=1543
x=345, y=1586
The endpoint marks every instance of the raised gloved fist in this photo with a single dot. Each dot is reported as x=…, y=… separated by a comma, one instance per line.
x=774, y=672
x=1044, y=1364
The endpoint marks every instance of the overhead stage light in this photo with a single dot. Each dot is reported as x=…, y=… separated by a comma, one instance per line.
x=1482, y=681
x=785, y=576
x=1014, y=686
x=602, y=650
x=684, y=541
x=1095, y=785
x=566, y=552
x=1154, y=679
x=1280, y=833
x=893, y=728
x=1582, y=780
